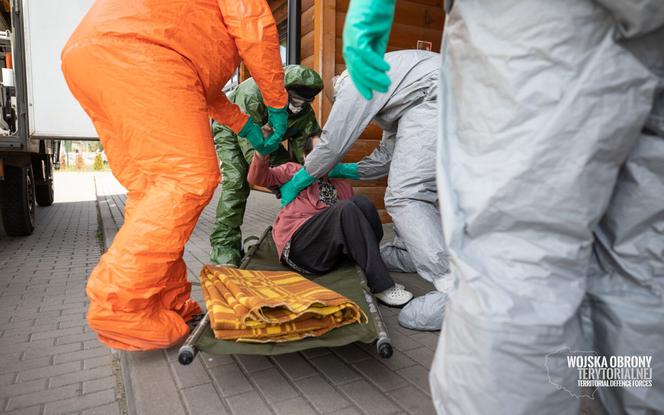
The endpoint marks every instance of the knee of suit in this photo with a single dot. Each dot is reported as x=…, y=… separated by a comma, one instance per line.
x=201, y=186
x=395, y=202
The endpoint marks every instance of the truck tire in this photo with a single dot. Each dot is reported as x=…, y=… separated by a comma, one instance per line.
x=44, y=192
x=18, y=201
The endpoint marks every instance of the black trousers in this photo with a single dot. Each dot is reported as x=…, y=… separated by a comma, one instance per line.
x=347, y=229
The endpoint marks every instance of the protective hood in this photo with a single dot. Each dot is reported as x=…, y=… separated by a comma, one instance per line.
x=300, y=78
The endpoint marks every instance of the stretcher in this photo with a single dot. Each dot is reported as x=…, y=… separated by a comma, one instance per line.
x=347, y=279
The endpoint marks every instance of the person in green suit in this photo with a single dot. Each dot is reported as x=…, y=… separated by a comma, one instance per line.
x=235, y=155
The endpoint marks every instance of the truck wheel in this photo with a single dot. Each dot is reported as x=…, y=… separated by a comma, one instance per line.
x=18, y=201
x=44, y=192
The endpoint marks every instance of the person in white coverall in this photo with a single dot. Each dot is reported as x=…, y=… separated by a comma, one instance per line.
x=551, y=172
x=407, y=113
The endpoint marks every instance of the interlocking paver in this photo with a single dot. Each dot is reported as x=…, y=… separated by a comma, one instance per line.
x=413, y=400
x=33, y=410
x=322, y=395
x=38, y=352
x=108, y=409
x=80, y=355
x=379, y=375
x=295, y=366
x=40, y=397
x=369, y=399
x=319, y=351
x=191, y=375
x=7, y=379
x=97, y=361
x=43, y=307
x=99, y=384
x=422, y=355
x=335, y=369
x=351, y=410
x=253, y=363
x=15, y=365
x=72, y=405
x=296, y=406
x=211, y=360
x=248, y=403
x=427, y=339
x=17, y=389
x=153, y=386
x=418, y=376
x=230, y=379
x=48, y=371
x=273, y=385
x=203, y=400
x=399, y=360
x=81, y=376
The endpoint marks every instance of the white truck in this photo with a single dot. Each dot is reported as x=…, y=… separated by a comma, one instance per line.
x=37, y=111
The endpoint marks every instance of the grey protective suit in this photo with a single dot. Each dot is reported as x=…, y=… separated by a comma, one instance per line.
x=407, y=113
x=375, y=166
x=551, y=169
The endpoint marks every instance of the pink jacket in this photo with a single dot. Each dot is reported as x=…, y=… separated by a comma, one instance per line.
x=306, y=205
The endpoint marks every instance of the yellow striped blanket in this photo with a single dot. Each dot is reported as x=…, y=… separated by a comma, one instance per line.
x=272, y=306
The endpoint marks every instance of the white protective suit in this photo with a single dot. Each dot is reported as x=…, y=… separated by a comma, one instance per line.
x=407, y=113
x=376, y=166
x=551, y=169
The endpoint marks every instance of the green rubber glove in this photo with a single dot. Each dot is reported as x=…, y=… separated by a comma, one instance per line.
x=300, y=181
x=252, y=133
x=344, y=171
x=365, y=36
x=278, y=120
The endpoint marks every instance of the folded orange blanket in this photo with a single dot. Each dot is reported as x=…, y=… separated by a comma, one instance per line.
x=272, y=306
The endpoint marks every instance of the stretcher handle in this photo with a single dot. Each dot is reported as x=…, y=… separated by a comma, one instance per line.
x=188, y=350
x=383, y=344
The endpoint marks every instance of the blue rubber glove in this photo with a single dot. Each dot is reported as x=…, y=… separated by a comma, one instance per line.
x=300, y=181
x=252, y=133
x=278, y=120
x=366, y=32
x=344, y=171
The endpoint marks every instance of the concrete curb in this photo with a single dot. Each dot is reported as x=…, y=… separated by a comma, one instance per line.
x=107, y=234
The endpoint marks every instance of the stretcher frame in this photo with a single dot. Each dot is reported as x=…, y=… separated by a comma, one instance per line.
x=188, y=351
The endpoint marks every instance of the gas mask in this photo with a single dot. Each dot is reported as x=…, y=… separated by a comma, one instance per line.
x=295, y=104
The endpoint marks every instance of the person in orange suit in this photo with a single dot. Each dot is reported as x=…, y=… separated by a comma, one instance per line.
x=150, y=73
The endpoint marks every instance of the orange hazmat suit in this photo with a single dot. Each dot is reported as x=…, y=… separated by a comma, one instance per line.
x=150, y=73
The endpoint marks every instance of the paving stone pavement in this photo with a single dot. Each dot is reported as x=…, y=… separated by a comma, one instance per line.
x=345, y=380
x=51, y=362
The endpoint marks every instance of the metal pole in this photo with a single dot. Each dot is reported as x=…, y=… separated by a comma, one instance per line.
x=293, y=36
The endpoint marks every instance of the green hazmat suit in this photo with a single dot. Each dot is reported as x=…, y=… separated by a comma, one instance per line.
x=235, y=155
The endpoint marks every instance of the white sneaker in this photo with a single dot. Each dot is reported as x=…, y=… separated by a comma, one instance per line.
x=396, y=296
